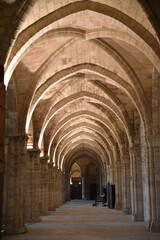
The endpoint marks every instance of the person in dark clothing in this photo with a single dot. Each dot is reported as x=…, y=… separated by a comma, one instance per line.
x=103, y=199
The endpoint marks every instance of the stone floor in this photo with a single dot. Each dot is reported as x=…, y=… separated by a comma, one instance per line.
x=79, y=220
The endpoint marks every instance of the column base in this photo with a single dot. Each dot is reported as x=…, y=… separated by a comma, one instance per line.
x=57, y=206
x=137, y=217
x=33, y=220
x=16, y=231
x=127, y=211
x=46, y=213
x=153, y=226
x=118, y=206
x=52, y=209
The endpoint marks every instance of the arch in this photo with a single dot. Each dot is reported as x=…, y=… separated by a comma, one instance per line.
x=112, y=78
x=95, y=7
x=113, y=107
x=109, y=125
x=81, y=150
x=92, y=144
x=69, y=135
x=91, y=139
x=79, y=33
x=77, y=169
x=77, y=153
x=93, y=127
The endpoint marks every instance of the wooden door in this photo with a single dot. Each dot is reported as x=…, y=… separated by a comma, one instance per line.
x=76, y=191
x=93, y=191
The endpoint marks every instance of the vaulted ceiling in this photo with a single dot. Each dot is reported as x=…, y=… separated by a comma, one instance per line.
x=80, y=73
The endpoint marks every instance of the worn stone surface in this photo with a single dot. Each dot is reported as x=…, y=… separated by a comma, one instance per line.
x=80, y=220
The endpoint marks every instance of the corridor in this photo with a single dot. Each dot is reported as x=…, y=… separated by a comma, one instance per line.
x=79, y=220
x=79, y=117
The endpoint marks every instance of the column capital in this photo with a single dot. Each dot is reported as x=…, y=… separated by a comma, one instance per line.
x=135, y=149
x=55, y=168
x=18, y=137
x=44, y=160
x=33, y=150
x=34, y=156
x=50, y=165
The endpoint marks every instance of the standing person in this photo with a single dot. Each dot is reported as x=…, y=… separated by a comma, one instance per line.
x=103, y=199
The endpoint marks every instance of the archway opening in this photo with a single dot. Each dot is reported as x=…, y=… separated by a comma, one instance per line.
x=92, y=181
x=75, y=182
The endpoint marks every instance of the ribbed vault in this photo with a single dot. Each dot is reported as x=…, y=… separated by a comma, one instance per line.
x=78, y=76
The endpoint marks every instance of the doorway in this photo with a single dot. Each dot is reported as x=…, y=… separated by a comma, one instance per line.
x=93, y=191
x=75, y=182
x=75, y=191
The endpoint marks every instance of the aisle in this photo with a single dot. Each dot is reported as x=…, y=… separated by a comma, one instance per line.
x=79, y=220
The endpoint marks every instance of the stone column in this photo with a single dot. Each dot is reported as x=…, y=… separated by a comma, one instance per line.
x=108, y=174
x=63, y=186
x=33, y=186
x=105, y=174
x=64, y=189
x=2, y=130
x=67, y=185
x=153, y=156
x=83, y=191
x=126, y=193
x=14, y=209
x=56, y=187
x=100, y=183
x=44, y=186
x=112, y=174
x=118, y=186
x=60, y=189
x=136, y=184
x=51, y=188
x=152, y=161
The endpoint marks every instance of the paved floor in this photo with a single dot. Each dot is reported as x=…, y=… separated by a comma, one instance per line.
x=79, y=220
